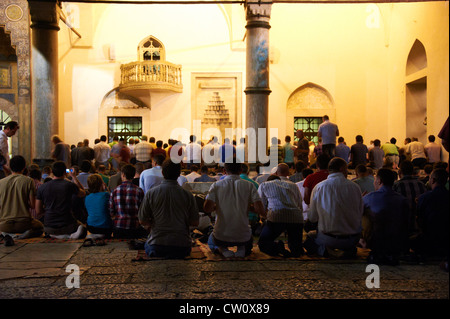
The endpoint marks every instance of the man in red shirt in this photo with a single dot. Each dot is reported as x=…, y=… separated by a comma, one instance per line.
x=159, y=150
x=315, y=178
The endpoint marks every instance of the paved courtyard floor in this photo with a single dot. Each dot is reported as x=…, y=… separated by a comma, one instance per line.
x=45, y=270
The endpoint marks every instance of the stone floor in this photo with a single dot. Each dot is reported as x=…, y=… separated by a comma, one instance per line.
x=40, y=270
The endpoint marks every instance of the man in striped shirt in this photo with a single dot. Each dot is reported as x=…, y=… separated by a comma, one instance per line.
x=124, y=205
x=143, y=151
x=283, y=203
x=411, y=187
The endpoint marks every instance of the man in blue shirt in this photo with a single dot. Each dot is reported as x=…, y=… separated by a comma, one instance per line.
x=328, y=132
x=385, y=220
x=342, y=150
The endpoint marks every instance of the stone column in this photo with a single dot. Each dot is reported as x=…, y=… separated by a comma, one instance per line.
x=257, y=66
x=44, y=60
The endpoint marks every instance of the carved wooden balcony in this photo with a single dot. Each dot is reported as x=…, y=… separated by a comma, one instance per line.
x=151, y=75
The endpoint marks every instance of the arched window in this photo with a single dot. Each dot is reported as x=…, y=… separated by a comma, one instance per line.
x=151, y=49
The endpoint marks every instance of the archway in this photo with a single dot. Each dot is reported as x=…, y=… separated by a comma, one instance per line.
x=416, y=92
x=305, y=108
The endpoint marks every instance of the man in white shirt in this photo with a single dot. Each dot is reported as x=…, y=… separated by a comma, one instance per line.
x=231, y=198
x=433, y=150
x=417, y=152
x=328, y=132
x=337, y=206
x=9, y=130
x=102, y=152
x=151, y=177
x=283, y=203
x=193, y=174
x=193, y=152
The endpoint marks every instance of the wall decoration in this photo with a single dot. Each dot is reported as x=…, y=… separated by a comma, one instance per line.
x=216, y=103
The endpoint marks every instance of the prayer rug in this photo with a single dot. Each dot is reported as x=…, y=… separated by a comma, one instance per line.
x=256, y=254
x=196, y=253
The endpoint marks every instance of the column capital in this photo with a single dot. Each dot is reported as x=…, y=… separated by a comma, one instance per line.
x=258, y=9
x=44, y=14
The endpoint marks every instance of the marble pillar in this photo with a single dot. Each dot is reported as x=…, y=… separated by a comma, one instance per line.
x=257, y=66
x=44, y=60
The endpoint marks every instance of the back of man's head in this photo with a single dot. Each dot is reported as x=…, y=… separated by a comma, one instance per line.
x=299, y=166
x=337, y=165
x=322, y=161
x=359, y=138
x=340, y=139
x=159, y=143
x=440, y=176
x=59, y=168
x=17, y=164
x=144, y=137
x=129, y=171
x=85, y=166
x=233, y=167
x=377, y=142
x=103, y=138
x=11, y=125
x=171, y=170
x=283, y=169
x=361, y=169
x=393, y=140
x=431, y=138
x=387, y=176
x=406, y=167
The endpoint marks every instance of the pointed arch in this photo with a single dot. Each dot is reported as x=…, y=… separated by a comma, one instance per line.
x=417, y=58
x=310, y=96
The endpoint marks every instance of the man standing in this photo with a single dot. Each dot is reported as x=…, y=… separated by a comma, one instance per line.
x=231, y=198
x=102, y=152
x=301, y=153
x=391, y=152
x=9, y=130
x=61, y=151
x=17, y=197
x=358, y=152
x=193, y=152
x=288, y=152
x=84, y=152
x=168, y=211
x=143, y=151
x=416, y=150
x=283, y=203
x=433, y=150
x=328, y=132
x=337, y=207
